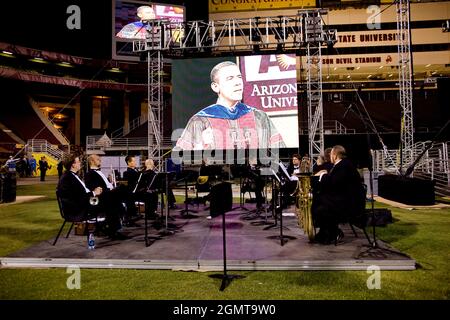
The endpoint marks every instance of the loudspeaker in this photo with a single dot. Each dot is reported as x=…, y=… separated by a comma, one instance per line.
x=221, y=199
x=411, y=191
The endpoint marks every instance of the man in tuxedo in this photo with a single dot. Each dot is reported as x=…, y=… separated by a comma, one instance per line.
x=75, y=197
x=294, y=166
x=111, y=198
x=131, y=175
x=147, y=189
x=340, y=197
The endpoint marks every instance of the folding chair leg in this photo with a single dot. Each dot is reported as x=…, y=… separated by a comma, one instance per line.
x=70, y=229
x=59, y=233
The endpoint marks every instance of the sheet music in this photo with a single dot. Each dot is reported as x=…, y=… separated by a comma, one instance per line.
x=283, y=168
x=275, y=174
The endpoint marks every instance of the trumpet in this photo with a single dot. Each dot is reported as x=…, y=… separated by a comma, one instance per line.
x=94, y=200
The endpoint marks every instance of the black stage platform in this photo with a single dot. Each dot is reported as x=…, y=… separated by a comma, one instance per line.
x=197, y=246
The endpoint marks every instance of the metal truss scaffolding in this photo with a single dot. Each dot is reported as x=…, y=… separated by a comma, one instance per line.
x=314, y=37
x=259, y=35
x=405, y=82
x=155, y=105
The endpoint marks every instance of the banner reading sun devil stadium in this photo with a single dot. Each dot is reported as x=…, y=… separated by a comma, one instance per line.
x=252, y=5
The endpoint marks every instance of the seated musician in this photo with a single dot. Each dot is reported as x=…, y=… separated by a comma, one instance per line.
x=294, y=169
x=294, y=165
x=131, y=175
x=111, y=198
x=75, y=197
x=147, y=189
x=339, y=198
x=323, y=162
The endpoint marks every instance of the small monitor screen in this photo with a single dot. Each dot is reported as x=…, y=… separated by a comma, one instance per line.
x=129, y=23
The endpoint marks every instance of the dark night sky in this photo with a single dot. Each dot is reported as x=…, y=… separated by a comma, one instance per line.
x=41, y=24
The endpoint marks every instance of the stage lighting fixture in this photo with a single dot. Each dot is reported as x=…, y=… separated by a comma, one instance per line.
x=446, y=26
x=330, y=38
x=280, y=47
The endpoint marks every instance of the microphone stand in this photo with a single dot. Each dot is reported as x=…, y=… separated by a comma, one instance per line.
x=368, y=124
x=373, y=243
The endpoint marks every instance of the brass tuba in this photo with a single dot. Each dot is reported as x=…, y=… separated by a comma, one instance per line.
x=304, y=203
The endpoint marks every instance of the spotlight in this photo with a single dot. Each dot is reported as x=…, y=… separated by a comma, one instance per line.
x=446, y=26
x=280, y=47
x=330, y=38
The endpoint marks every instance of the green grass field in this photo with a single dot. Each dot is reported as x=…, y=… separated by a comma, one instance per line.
x=422, y=234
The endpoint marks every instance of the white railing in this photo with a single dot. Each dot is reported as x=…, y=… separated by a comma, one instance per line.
x=48, y=123
x=331, y=127
x=434, y=164
x=41, y=145
x=93, y=143
x=133, y=124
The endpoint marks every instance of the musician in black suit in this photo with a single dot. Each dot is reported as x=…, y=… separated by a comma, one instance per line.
x=294, y=165
x=323, y=162
x=111, y=198
x=75, y=197
x=131, y=175
x=147, y=189
x=294, y=169
x=340, y=196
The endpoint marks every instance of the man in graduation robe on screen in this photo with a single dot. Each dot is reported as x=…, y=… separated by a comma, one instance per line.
x=229, y=124
x=138, y=30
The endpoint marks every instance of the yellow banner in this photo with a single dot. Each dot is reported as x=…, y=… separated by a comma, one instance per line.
x=253, y=5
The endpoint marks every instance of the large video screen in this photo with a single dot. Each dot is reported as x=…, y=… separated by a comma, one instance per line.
x=128, y=26
x=247, y=102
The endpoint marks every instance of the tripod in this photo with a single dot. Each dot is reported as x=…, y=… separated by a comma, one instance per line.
x=369, y=126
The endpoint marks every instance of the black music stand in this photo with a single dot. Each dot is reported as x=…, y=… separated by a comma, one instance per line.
x=163, y=185
x=240, y=171
x=151, y=186
x=264, y=208
x=222, y=202
x=185, y=212
x=278, y=206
